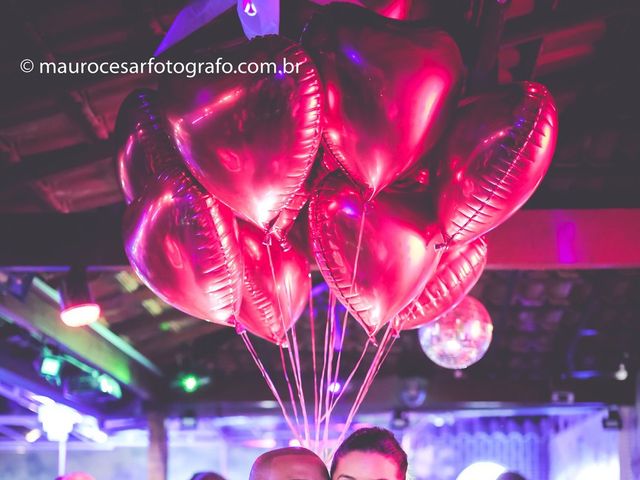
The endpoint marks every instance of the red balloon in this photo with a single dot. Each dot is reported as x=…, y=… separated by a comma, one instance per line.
x=285, y=221
x=493, y=158
x=389, y=89
x=249, y=139
x=398, y=252
x=459, y=270
x=144, y=147
x=270, y=308
x=182, y=244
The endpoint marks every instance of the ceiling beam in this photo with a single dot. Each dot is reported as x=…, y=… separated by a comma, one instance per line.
x=38, y=314
x=566, y=239
x=530, y=240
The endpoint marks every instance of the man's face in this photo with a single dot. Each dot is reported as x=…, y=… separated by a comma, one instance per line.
x=297, y=467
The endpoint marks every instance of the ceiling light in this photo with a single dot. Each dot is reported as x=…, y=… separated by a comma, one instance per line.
x=76, y=303
x=482, y=471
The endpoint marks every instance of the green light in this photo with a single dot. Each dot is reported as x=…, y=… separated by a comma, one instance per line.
x=50, y=366
x=109, y=386
x=190, y=383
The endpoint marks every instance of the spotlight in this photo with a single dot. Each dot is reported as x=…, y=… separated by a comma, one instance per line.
x=400, y=420
x=613, y=421
x=92, y=387
x=50, y=366
x=621, y=374
x=33, y=435
x=77, y=305
x=58, y=421
x=189, y=420
x=482, y=471
x=190, y=382
x=335, y=387
x=109, y=386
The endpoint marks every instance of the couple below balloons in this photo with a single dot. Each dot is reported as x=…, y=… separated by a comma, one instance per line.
x=368, y=453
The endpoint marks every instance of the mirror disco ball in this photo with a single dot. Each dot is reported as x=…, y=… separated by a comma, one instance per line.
x=459, y=338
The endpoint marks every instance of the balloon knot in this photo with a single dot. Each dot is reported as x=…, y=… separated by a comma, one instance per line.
x=239, y=327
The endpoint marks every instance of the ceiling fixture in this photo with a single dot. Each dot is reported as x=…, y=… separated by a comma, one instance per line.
x=621, y=374
x=76, y=303
x=50, y=366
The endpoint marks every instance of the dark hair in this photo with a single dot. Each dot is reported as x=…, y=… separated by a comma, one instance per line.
x=373, y=439
x=511, y=476
x=207, y=476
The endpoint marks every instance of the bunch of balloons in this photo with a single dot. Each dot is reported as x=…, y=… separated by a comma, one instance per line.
x=402, y=176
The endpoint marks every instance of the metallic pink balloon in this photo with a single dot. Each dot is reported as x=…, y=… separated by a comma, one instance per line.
x=182, y=244
x=250, y=139
x=459, y=338
x=144, y=147
x=493, y=158
x=285, y=221
x=270, y=308
x=390, y=87
x=398, y=251
x=459, y=270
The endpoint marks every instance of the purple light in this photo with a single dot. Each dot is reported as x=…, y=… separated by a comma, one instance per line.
x=335, y=387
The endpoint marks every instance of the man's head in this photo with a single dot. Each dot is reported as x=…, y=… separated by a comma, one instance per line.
x=289, y=464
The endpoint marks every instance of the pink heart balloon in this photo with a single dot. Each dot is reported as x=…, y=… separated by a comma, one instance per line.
x=250, y=139
x=498, y=150
x=459, y=270
x=182, y=244
x=390, y=87
x=270, y=308
x=398, y=251
x=144, y=147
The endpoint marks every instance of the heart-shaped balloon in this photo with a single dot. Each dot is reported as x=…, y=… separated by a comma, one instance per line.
x=270, y=308
x=498, y=150
x=280, y=229
x=250, y=139
x=144, y=147
x=390, y=87
x=182, y=244
x=459, y=270
x=397, y=254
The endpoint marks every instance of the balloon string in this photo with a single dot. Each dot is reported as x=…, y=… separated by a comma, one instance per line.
x=289, y=387
x=332, y=344
x=366, y=384
x=269, y=382
x=296, y=371
x=312, y=327
x=325, y=354
x=336, y=375
x=296, y=354
x=349, y=378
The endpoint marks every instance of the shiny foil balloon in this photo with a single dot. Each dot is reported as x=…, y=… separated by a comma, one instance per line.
x=182, y=244
x=282, y=226
x=459, y=270
x=459, y=338
x=250, y=139
x=390, y=87
x=144, y=147
x=269, y=308
x=495, y=155
x=397, y=255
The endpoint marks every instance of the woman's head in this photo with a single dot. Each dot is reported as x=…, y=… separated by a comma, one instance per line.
x=370, y=453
